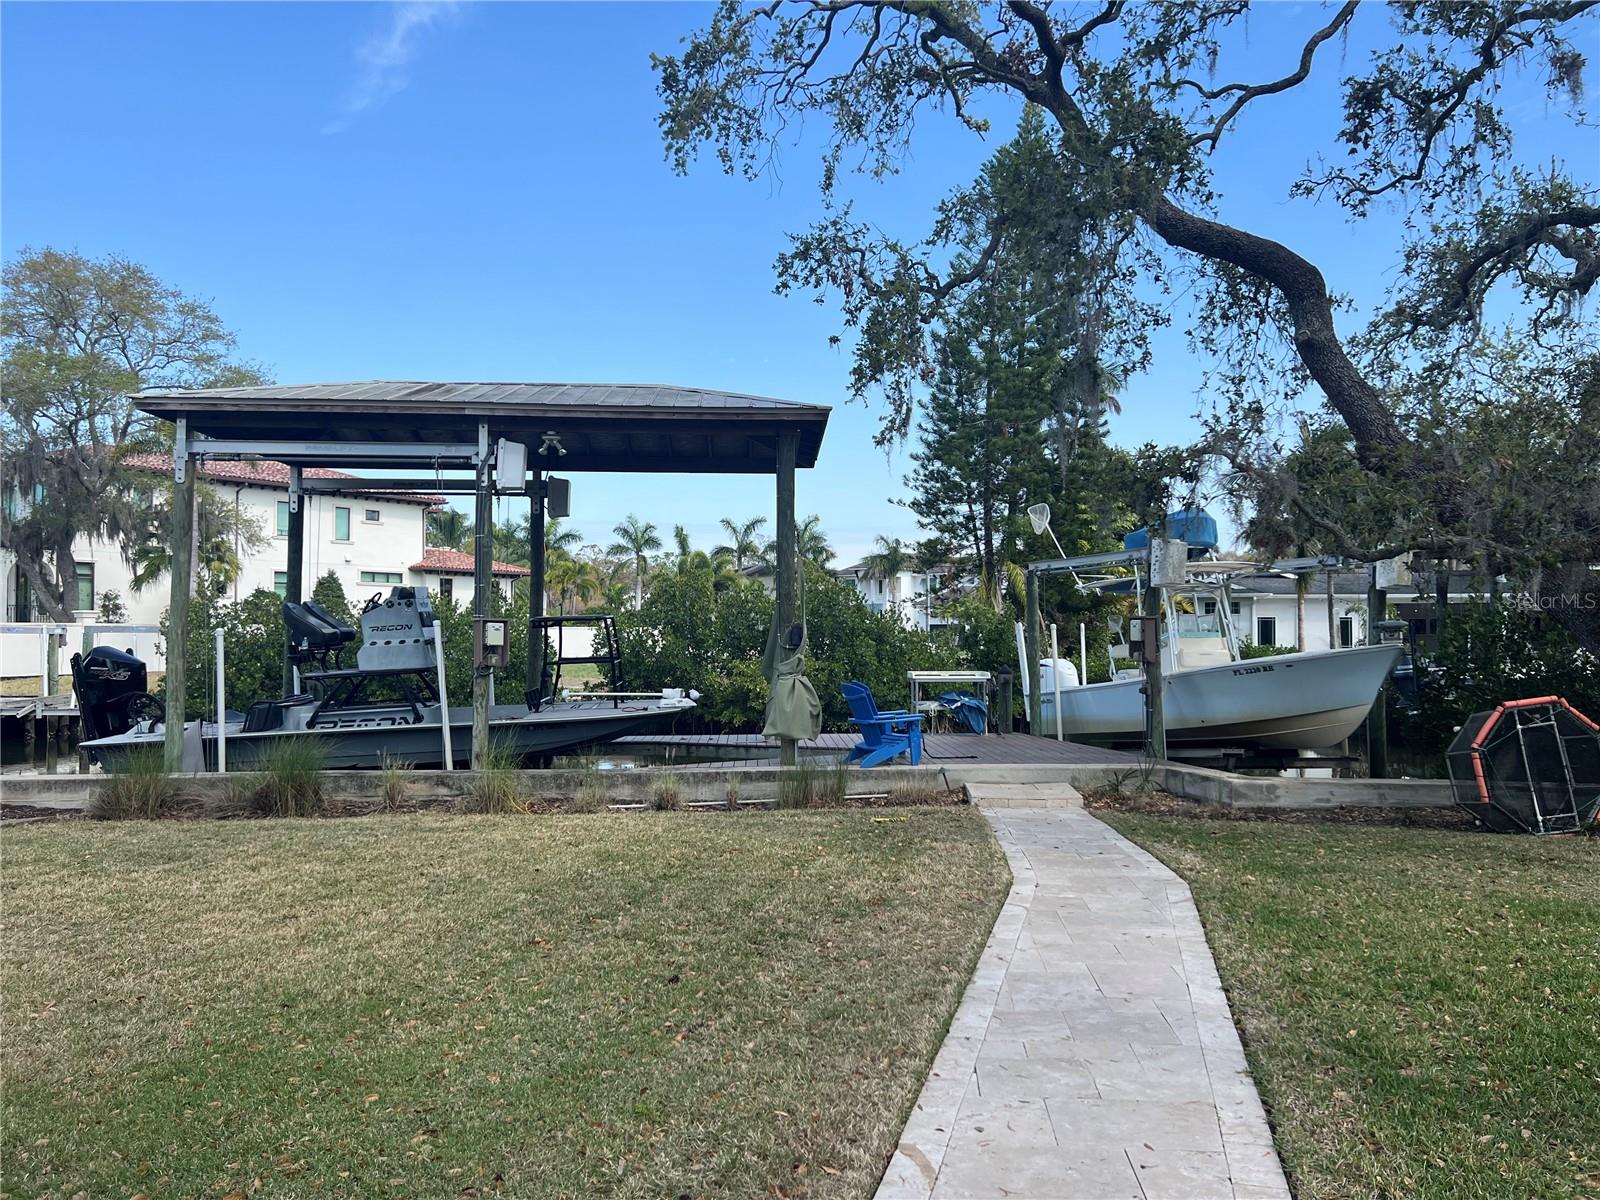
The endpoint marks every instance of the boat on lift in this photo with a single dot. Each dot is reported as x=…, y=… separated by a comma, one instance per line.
x=1212, y=695
x=390, y=706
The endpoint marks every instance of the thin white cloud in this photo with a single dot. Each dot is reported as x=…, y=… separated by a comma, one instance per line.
x=383, y=59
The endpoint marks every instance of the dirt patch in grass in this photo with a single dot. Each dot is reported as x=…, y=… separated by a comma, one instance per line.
x=1420, y=1007
x=1164, y=804
x=431, y=1005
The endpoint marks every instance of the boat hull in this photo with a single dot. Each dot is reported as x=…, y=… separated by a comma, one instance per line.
x=557, y=729
x=1289, y=702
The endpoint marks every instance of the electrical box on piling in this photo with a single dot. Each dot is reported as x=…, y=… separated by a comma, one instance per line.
x=489, y=643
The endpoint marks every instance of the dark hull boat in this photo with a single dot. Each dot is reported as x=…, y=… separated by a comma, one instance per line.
x=397, y=657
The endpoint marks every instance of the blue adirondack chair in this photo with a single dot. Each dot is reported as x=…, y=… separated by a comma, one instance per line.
x=884, y=735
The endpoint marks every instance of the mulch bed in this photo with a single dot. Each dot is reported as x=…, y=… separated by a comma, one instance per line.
x=34, y=812
x=1164, y=804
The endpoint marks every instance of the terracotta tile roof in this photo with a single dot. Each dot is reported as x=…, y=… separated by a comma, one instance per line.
x=265, y=473
x=457, y=562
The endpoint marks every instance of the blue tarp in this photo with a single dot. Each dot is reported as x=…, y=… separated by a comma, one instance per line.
x=970, y=710
x=1192, y=525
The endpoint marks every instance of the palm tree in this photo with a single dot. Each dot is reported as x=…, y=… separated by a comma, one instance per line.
x=890, y=558
x=558, y=541
x=743, y=544
x=511, y=542
x=810, y=544
x=448, y=528
x=636, y=538
x=224, y=538
x=718, y=565
x=576, y=579
x=680, y=538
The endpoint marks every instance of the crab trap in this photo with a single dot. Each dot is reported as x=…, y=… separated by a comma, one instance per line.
x=1528, y=766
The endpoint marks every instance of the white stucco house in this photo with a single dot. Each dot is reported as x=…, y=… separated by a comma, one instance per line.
x=371, y=539
x=1266, y=612
x=909, y=594
x=448, y=574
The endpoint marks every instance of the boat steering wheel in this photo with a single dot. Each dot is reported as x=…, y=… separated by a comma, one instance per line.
x=142, y=706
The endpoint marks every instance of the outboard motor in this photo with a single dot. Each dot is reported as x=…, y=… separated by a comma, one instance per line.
x=111, y=689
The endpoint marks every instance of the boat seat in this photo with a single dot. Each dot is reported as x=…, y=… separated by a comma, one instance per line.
x=312, y=633
x=266, y=715
x=343, y=631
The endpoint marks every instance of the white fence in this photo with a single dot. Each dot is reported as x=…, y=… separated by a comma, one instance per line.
x=25, y=649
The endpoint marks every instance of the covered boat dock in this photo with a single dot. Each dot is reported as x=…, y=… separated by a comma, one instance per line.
x=483, y=440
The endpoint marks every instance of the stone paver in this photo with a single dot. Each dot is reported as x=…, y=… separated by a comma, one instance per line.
x=1093, y=1056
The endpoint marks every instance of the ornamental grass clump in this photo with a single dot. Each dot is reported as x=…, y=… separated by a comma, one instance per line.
x=811, y=784
x=290, y=782
x=497, y=788
x=592, y=790
x=394, y=789
x=139, y=791
x=667, y=794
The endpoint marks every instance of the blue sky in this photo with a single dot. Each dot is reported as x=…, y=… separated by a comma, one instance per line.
x=479, y=192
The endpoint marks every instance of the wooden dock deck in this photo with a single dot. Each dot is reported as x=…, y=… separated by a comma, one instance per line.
x=1015, y=749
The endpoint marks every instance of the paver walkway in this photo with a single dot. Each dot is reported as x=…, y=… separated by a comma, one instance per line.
x=1093, y=1056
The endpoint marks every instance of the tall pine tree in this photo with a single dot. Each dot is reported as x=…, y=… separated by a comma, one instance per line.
x=1017, y=410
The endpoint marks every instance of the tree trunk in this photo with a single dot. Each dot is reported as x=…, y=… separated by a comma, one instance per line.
x=44, y=591
x=1300, y=612
x=1380, y=444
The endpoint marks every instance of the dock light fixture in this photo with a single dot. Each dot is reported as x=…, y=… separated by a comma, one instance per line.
x=549, y=440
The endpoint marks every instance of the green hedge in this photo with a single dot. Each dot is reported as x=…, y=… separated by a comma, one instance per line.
x=690, y=634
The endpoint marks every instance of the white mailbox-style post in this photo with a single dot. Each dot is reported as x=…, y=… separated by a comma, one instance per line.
x=444, y=695
x=222, y=709
x=1055, y=678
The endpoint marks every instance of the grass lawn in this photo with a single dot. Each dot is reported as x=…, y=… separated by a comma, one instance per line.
x=654, y=1005
x=1421, y=1008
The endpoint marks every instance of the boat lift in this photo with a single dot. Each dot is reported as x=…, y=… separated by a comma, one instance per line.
x=1162, y=566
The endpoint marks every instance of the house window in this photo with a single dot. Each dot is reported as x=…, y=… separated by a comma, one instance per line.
x=445, y=587
x=24, y=605
x=380, y=577
x=1211, y=607
x=83, y=587
x=1347, y=632
x=283, y=518
x=1233, y=607
x=371, y=516
x=1266, y=631
x=280, y=582
x=341, y=524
